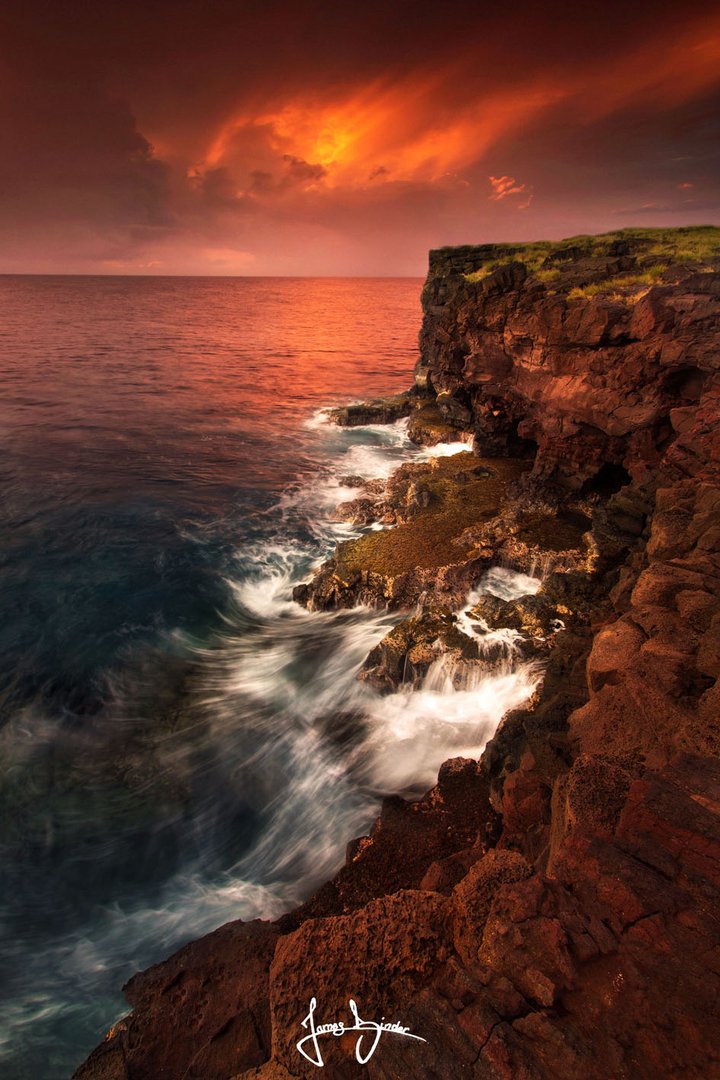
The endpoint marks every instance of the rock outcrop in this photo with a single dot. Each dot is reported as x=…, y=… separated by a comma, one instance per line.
x=377, y=411
x=453, y=517
x=592, y=357
x=554, y=911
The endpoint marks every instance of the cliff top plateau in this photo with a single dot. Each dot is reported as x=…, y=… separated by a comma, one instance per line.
x=551, y=911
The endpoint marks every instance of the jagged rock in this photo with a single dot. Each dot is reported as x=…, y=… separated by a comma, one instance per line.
x=453, y=819
x=378, y=411
x=536, y=616
x=351, y=481
x=201, y=1015
x=512, y=973
x=431, y=553
x=427, y=426
x=406, y=653
x=452, y=409
x=553, y=912
x=362, y=511
x=575, y=377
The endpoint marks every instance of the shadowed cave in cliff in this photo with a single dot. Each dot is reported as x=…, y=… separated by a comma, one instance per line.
x=608, y=480
x=684, y=384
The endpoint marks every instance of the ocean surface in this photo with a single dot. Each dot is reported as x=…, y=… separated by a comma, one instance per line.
x=180, y=744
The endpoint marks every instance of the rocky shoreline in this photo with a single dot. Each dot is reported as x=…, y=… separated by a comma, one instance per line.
x=553, y=910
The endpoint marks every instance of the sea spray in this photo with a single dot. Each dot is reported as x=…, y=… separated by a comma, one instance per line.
x=287, y=733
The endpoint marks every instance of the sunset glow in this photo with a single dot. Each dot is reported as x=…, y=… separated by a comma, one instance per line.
x=383, y=133
x=272, y=156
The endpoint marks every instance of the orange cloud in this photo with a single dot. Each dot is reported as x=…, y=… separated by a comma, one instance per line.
x=503, y=186
x=665, y=73
x=429, y=128
x=384, y=132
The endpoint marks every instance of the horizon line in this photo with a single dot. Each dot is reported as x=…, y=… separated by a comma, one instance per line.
x=216, y=277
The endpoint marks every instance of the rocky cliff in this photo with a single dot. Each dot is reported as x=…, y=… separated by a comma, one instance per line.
x=552, y=911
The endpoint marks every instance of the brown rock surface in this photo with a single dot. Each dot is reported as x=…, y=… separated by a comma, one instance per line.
x=552, y=913
x=378, y=411
x=199, y=1015
x=595, y=381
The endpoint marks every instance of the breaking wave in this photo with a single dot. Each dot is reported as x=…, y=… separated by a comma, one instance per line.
x=287, y=732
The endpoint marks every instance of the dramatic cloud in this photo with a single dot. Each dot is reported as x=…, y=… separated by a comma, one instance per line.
x=503, y=187
x=269, y=137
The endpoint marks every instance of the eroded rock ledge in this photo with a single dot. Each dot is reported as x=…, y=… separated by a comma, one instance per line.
x=554, y=910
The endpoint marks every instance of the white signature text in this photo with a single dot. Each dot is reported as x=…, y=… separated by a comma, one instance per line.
x=368, y=1030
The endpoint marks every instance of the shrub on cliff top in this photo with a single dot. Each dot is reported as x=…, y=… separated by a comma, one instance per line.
x=654, y=249
x=532, y=256
x=623, y=286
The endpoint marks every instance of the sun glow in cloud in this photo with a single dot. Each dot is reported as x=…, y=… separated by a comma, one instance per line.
x=349, y=140
x=385, y=133
x=422, y=129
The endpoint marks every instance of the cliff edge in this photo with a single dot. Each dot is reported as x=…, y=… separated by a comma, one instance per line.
x=552, y=911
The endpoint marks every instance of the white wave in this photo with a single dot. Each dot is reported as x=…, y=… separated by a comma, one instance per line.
x=288, y=730
x=444, y=450
x=318, y=420
x=413, y=732
x=508, y=584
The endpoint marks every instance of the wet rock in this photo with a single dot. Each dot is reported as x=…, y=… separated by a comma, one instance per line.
x=363, y=511
x=351, y=481
x=553, y=911
x=453, y=819
x=536, y=616
x=378, y=411
x=510, y=970
x=428, y=426
x=430, y=554
x=513, y=972
x=535, y=532
x=407, y=652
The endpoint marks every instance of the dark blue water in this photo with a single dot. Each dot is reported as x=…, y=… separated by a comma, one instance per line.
x=145, y=423
x=180, y=743
x=147, y=428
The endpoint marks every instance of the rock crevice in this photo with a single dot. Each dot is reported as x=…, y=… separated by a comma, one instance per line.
x=552, y=911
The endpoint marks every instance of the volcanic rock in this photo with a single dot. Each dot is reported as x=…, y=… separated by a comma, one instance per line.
x=552, y=912
x=378, y=411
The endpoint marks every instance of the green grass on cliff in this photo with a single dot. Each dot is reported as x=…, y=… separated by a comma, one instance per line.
x=700, y=244
x=619, y=286
x=533, y=256
x=655, y=250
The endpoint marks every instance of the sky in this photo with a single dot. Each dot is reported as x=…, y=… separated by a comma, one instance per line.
x=329, y=138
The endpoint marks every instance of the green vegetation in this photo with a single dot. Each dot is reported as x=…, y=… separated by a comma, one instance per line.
x=464, y=491
x=547, y=276
x=698, y=244
x=533, y=256
x=655, y=251
x=622, y=286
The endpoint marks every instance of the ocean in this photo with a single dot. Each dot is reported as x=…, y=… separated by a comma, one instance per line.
x=180, y=743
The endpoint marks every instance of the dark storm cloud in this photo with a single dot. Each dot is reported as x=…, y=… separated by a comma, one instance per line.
x=325, y=137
